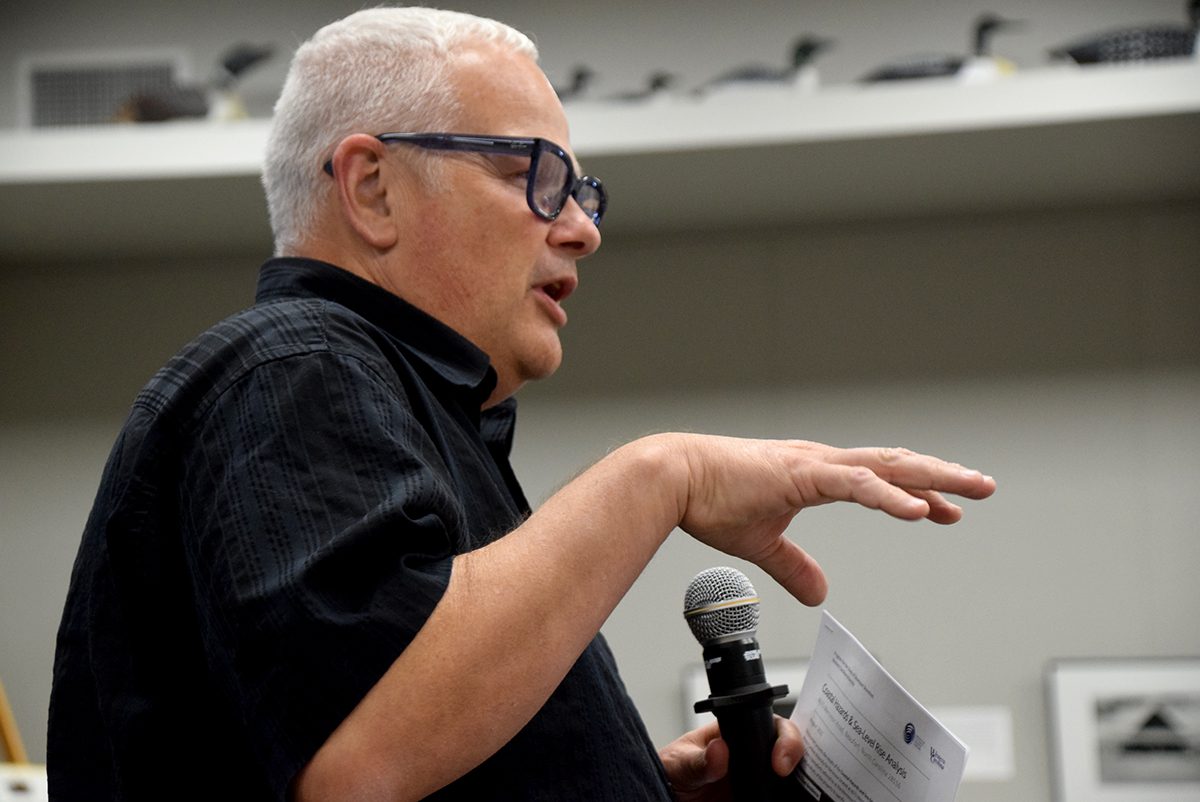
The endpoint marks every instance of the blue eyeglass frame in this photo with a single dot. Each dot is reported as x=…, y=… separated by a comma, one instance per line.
x=533, y=147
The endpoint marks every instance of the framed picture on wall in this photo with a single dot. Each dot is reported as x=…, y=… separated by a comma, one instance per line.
x=1125, y=730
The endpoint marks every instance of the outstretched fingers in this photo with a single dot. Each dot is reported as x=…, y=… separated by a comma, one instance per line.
x=823, y=482
x=898, y=481
x=918, y=472
x=923, y=472
x=941, y=511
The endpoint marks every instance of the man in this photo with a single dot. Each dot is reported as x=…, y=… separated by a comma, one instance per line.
x=310, y=571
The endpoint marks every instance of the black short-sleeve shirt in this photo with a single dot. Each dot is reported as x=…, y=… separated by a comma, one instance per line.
x=275, y=523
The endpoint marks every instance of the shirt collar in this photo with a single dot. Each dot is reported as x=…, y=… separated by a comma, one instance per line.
x=445, y=351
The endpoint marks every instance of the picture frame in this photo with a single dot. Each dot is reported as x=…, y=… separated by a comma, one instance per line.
x=1125, y=729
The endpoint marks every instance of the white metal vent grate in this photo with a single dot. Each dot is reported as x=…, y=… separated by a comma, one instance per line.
x=91, y=88
x=87, y=96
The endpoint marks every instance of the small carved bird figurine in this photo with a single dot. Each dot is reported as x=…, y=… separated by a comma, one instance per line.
x=1141, y=43
x=656, y=86
x=217, y=99
x=979, y=64
x=799, y=72
x=581, y=82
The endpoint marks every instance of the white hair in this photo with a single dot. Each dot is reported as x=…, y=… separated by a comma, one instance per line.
x=381, y=69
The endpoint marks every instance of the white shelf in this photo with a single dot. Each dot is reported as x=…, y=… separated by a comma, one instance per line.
x=160, y=151
x=1065, y=136
x=756, y=117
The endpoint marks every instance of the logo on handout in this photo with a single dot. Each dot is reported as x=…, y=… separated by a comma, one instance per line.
x=936, y=759
x=911, y=737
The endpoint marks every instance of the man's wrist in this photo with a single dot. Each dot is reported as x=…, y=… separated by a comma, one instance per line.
x=657, y=468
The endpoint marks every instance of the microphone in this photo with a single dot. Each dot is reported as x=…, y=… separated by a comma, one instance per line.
x=721, y=608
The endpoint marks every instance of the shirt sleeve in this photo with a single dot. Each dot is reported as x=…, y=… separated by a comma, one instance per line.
x=319, y=530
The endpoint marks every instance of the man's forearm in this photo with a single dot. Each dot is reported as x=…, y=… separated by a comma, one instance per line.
x=553, y=581
x=549, y=585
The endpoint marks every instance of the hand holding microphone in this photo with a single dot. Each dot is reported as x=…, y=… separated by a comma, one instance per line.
x=721, y=608
x=739, y=497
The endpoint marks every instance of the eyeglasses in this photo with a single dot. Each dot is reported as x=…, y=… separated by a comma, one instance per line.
x=551, y=178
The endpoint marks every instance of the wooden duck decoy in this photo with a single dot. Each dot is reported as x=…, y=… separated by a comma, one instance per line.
x=980, y=64
x=656, y=86
x=581, y=81
x=1141, y=43
x=799, y=72
x=217, y=99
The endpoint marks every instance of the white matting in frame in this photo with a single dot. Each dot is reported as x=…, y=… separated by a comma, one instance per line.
x=23, y=782
x=1125, y=730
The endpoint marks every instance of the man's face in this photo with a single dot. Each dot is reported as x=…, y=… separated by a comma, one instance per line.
x=484, y=263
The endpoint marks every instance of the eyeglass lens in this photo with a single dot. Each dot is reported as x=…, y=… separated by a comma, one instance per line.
x=552, y=183
x=589, y=199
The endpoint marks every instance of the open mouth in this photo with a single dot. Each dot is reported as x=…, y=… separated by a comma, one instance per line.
x=558, y=290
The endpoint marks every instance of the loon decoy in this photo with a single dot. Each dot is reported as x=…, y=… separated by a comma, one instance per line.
x=581, y=80
x=657, y=85
x=980, y=64
x=217, y=99
x=799, y=73
x=224, y=101
x=1142, y=43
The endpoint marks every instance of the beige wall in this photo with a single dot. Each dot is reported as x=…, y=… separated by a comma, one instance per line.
x=1059, y=350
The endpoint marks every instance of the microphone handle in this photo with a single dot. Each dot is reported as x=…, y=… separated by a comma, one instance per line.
x=743, y=702
x=749, y=730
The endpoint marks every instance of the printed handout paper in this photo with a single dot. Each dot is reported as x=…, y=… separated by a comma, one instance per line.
x=867, y=739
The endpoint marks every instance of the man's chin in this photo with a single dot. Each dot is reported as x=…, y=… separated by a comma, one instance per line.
x=532, y=368
x=546, y=365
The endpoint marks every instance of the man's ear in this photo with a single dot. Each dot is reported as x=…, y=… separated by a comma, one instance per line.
x=369, y=203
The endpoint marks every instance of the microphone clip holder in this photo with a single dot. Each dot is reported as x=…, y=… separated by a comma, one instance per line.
x=751, y=697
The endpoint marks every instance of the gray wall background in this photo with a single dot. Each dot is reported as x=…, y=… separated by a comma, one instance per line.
x=1058, y=349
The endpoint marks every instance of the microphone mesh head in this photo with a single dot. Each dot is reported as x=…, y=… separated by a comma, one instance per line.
x=720, y=603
